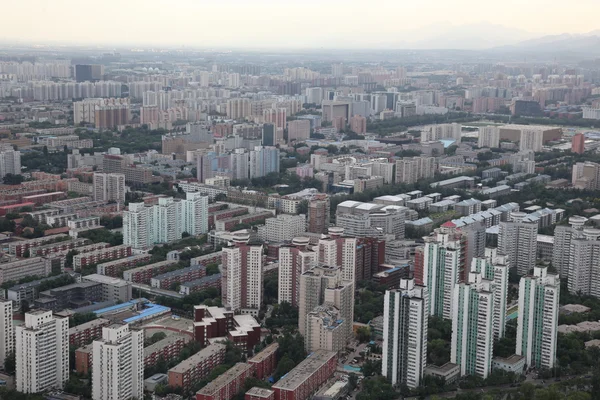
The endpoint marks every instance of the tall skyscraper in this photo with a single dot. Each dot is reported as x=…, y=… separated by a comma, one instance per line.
x=294, y=260
x=537, y=324
x=325, y=285
x=42, y=352
x=241, y=280
x=109, y=187
x=517, y=239
x=7, y=338
x=405, y=323
x=118, y=363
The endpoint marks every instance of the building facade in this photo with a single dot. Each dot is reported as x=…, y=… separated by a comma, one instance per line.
x=405, y=321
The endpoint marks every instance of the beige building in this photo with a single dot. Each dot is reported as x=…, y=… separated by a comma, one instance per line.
x=298, y=130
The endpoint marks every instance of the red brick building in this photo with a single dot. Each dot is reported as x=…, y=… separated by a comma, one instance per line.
x=227, y=385
x=115, y=268
x=257, y=393
x=166, y=348
x=192, y=369
x=211, y=322
x=83, y=334
x=83, y=359
x=145, y=273
x=307, y=377
x=94, y=257
x=265, y=361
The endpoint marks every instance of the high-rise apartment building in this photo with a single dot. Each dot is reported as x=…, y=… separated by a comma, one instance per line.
x=294, y=260
x=517, y=239
x=109, y=187
x=479, y=314
x=318, y=214
x=405, y=323
x=298, y=130
x=583, y=268
x=472, y=326
x=586, y=175
x=241, y=280
x=578, y=143
x=442, y=131
x=239, y=108
x=489, y=136
x=263, y=160
x=494, y=268
x=42, y=352
x=118, y=363
x=563, y=238
x=439, y=265
x=10, y=161
x=325, y=285
x=112, y=111
x=314, y=95
x=7, y=338
x=358, y=124
x=276, y=116
x=410, y=170
x=282, y=228
x=359, y=258
x=537, y=323
x=165, y=222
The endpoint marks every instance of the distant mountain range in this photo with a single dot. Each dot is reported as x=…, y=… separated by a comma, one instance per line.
x=497, y=38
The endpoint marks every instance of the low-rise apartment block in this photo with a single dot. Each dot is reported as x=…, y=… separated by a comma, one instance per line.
x=227, y=385
x=192, y=369
x=145, y=273
x=94, y=257
x=167, y=280
x=115, y=268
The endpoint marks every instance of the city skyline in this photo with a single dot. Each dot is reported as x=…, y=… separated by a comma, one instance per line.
x=251, y=25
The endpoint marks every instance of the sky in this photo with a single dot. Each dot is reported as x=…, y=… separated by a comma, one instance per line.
x=288, y=23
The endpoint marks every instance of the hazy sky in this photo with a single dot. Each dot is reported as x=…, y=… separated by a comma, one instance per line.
x=276, y=23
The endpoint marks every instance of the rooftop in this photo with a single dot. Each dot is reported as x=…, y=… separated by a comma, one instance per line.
x=225, y=378
x=197, y=358
x=304, y=370
x=511, y=360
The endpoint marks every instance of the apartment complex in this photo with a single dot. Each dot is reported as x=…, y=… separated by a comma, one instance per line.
x=410, y=170
x=144, y=225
